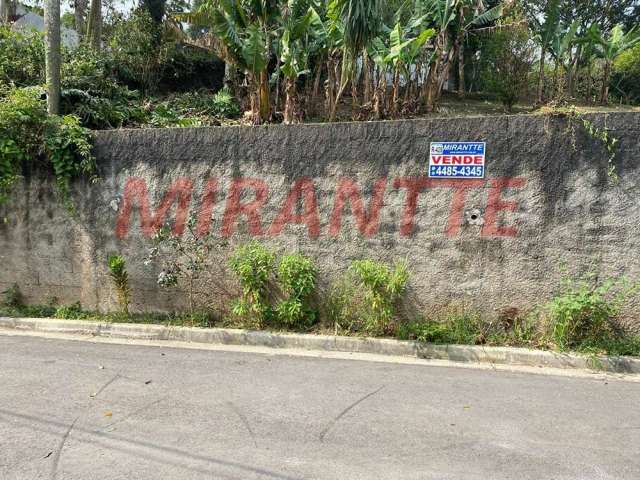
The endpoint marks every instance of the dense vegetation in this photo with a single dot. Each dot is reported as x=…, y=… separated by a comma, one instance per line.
x=162, y=63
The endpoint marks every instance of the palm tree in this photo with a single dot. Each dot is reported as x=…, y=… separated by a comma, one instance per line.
x=52, y=54
x=608, y=47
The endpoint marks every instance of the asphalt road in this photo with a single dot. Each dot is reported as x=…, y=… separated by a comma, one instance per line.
x=77, y=410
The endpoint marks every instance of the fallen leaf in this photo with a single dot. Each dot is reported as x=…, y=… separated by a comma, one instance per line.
x=147, y=382
x=108, y=414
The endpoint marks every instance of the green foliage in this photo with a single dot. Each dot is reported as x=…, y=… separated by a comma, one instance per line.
x=297, y=278
x=12, y=296
x=139, y=51
x=194, y=109
x=21, y=58
x=626, y=75
x=91, y=91
x=582, y=316
x=120, y=279
x=507, y=59
x=29, y=136
x=71, y=312
x=456, y=326
x=253, y=265
x=382, y=287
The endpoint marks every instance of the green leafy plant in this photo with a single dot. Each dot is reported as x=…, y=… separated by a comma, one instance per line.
x=29, y=136
x=582, y=316
x=186, y=262
x=120, y=280
x=297, y=278
x=21, y=57
x=383, y=287
x=12, y=296
x=253, y=265
x=71, y=312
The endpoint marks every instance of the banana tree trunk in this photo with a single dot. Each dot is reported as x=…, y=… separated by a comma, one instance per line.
x=264, y=105
x=604, y=96
x=461, y=82
x=291, y=109
x=366, y=70
x=541, y=77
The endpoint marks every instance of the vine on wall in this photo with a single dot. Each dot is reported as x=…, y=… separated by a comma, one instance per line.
x=31, y=137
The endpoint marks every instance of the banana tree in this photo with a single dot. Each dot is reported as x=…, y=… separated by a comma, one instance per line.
x=300, y=34
x=561, y=49
x=442, y=14
x=546, y=29
x=608, y=47
x=472, y=14
x=243, y=32
x=396, y=57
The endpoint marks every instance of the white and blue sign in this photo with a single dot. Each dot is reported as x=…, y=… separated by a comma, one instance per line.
x=457, y=160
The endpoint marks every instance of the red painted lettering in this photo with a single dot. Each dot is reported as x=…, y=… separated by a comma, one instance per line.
x=234, y=208
x=367, y=221
x=136, y=194
x=209, y=195
x=303, y=188
x=495, y=204
x=414, y=186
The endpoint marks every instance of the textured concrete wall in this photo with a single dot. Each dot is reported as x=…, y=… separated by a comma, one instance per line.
x=341, y=192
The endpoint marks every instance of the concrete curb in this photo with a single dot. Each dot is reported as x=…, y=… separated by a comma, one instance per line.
x=224, y=336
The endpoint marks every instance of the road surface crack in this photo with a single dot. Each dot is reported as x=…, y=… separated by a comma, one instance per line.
x=324, y=432
x=56, y=457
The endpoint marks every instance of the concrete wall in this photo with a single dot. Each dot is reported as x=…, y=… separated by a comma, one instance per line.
x=341, y=192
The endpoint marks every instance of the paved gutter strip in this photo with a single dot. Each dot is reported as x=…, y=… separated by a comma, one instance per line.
x=224, y=336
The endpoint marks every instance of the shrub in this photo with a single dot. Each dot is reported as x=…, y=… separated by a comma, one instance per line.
x=71, y=312
x=21, y=58
x=297, y=278
x=583, y=316
x=91, y=92
x=29, y=135
x=12, y=296
x=190, y=68
x=253, y=265
x=120, y=279
x=139, y=51
x=382, y=287
x=186, y=261
x=625, y=82
x=507, y=59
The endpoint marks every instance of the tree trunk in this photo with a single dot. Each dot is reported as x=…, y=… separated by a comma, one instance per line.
x=461, y=82
x=541, y=78
x=94, y=26
x=291, y=110
x=265, y=107
x=366, y=71
x=589, y=84
x=4, y=11
x=79, y=15
x=604, y=97
x=554, y=86
x=52, y=54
